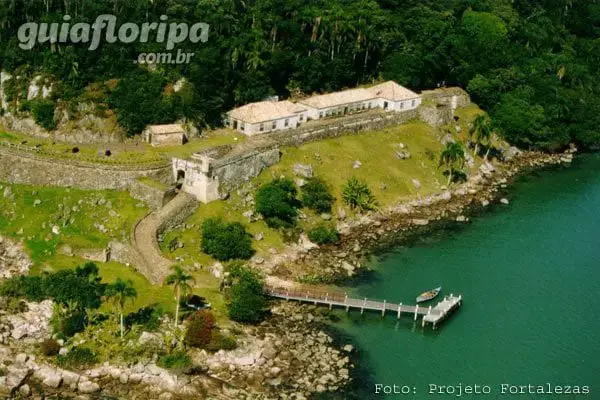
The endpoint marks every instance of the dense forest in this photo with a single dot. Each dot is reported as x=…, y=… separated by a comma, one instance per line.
x=533, y=65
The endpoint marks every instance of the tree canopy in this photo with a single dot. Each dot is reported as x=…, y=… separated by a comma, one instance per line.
x=541, y=57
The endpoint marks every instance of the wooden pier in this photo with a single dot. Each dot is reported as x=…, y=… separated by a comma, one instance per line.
x=433, y=315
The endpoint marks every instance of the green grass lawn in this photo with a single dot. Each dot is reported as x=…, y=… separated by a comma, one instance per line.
x=389, y=178
x=24, y=221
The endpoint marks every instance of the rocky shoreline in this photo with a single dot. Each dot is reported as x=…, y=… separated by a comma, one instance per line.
x=313, y=264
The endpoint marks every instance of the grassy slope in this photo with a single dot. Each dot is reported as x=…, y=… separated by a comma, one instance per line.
x=332, y=160
x=80, y=234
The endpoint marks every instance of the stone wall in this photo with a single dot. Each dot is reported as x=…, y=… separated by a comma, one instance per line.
x=341, y=126
x=154, y=197
x=31, y=169
x=436, y=114
x=454, y=97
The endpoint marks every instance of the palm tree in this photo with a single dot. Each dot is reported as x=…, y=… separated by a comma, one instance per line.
x=118, y=293
x=179, y=279
x=452, y=155
x=481, y=131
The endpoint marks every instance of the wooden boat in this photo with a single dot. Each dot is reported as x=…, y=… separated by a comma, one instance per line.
x=428, y=295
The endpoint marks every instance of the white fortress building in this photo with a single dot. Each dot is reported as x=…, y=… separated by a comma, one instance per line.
x=268, y=116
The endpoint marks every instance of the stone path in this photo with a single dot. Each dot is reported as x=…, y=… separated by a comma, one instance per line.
x=147, y=229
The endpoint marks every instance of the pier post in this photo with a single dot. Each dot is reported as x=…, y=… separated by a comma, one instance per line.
x=346, y=302
x=399, y=310
x=383, y=309
x=423, y=323
x=429, y=310
x=416, y=311
x=362, y=309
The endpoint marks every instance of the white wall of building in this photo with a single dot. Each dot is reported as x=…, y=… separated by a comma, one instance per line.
x=268, y=126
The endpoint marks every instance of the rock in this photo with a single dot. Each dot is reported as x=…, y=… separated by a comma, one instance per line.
x=123, y=378
x=16, y=375
x=348, y=348
x=326, y=216
x=259, y=260
x=165, y=396
x=248, y=214
x=87, y=387
x=511, y=153
x=274, y=371
x=504, y=201
x=485, y=203
x=70, y=378
x=420, y=222
x=56, y=230
x=21, y=358
x=349, y=268
x=403, y=155
x=25, y=390
x=303, y=170
x=306, y=244
x=300, y=182
x=259, y=236
x=66, y=250
x=37, y=202
x=52, y=379
x=357, y=164
x=148, y=338
x=8, y=193
x=341, y=213
x=461, y=218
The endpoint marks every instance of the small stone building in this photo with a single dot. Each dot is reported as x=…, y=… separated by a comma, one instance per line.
x=164, y=135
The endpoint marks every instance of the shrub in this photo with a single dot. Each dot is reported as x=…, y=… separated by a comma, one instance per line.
x=316, y=196
x=221, y=342
x=177, y=360
x=81, y=286
x=43, y=113
x=276, y=202
x=49, y=347
x=357, y=194
x=324, y=234
x=28, y=287
x=226, y=241
x=147, y=317
x=200, y=328
x=247, y=302
x=77, y=358
x=72, y=324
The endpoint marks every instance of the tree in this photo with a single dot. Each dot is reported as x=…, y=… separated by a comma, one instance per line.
x=226, y=241
x=452, y=158
x=246, y=300
x=276, y=202
x=179, y=279
x=316, y=196
x=357, y=194
x=119, y=293
x=481, y=132
x=324, y=234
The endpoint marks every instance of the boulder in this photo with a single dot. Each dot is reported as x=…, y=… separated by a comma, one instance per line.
x=147, y=338
x=303, y=170
x=403, y=155
x=88, y=387
x=16, y=375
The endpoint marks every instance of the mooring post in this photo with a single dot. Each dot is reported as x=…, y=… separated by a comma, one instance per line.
x=416, y=311
x=362, y=309
x=423, y=323
x=346, y=302
x=429, y=310
x=383, y=309
x=399, y=310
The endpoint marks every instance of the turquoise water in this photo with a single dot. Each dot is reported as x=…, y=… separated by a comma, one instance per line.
x=530, y=276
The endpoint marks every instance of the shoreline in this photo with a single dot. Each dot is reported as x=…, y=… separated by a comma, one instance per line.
x=384, y=229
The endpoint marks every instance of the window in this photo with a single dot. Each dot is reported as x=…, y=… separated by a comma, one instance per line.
x=413, y=103
x=274, y=125
x=369, y=105
x=286, y=123
x=401, y=105
x=242, y=126
x=385, y=105
x=320, y=114
x=262, y=127
x=300, y=117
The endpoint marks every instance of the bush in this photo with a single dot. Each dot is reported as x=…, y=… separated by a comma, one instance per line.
x=221, y=342
x=247, y=302
x=147, y=317
x=28, y=287
x=177, y=360
x=49, y=347
x=43, y=113
x=316, y=196
x=77, y=358
x=200, y=328
x=324, y=234
x=357, y=194
x=226, y=241
x=276, y=202
x=72, y=324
